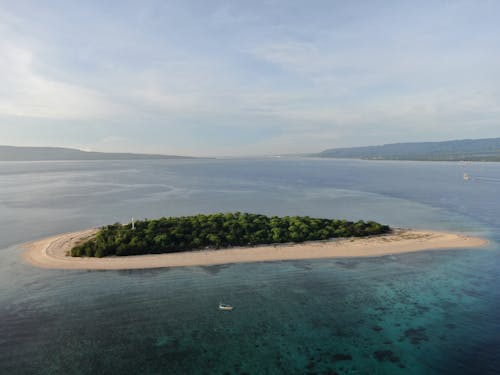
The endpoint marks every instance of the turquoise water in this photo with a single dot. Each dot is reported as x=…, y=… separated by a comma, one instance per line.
x=422, y=313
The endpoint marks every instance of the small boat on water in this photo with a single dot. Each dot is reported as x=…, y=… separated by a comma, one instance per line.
x=466, y=177
x=224, y=307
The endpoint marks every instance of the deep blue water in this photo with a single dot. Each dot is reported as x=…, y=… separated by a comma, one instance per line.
x=422, y=313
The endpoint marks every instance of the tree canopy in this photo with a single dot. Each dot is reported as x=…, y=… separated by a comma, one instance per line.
x=221, y=230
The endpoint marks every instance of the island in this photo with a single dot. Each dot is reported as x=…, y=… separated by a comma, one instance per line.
x=215, y=231
x=131, y=240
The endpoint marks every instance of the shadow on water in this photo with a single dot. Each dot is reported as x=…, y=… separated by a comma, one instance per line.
x=215, y=269
x=144, y=273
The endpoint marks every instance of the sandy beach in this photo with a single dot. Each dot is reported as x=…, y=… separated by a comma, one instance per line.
x=51, y=252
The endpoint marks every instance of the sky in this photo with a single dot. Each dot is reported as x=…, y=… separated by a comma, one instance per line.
x=222, y=78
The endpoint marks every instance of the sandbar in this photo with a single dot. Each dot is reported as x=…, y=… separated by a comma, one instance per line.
x=51, y=252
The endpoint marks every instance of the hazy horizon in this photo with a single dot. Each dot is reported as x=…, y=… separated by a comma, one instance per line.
x=249, y=155
x=230, y=78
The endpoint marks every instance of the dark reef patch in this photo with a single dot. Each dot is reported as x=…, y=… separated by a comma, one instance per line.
x=416, y=335
x=386, y=356
x=341, y=357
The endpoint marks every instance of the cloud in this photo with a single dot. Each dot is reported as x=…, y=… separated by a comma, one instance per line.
x=25, y=92
x=301, y=57
x=232, y=77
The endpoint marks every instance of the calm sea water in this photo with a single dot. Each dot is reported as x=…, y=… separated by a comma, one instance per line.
x=422, y=313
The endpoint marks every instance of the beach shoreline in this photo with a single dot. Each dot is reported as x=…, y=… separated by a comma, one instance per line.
x=51, y=252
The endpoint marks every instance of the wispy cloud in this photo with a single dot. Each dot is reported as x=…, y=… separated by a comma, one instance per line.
x=27, y=93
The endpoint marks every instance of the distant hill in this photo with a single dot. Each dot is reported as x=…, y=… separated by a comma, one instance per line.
x=487, y=149
x=12, y=153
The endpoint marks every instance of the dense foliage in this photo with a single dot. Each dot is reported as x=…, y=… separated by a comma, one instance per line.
x=174, y=234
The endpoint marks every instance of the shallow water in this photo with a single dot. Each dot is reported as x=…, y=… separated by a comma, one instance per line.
x=422, y=313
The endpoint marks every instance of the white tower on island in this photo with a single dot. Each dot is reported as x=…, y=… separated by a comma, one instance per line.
x=133, y=225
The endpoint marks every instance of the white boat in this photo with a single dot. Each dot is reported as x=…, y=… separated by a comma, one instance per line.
x=224, y=307
x=466, y=177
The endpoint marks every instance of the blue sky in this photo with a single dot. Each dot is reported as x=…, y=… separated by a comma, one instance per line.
x=247, y=77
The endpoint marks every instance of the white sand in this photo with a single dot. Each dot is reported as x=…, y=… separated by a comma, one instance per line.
x=51, y=252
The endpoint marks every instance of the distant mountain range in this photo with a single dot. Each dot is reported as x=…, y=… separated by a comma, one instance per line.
x=12, y=153
x=487, y=149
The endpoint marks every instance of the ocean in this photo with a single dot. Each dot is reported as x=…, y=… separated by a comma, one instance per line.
x=420, y=313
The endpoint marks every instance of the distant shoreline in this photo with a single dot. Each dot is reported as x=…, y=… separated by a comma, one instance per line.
x=51, y=252
x=486, y=149
x=18, y=153
x=316, y=156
